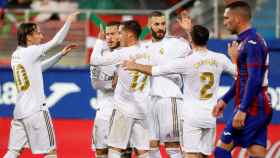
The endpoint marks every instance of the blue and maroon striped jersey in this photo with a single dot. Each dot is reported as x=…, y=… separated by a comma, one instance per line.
x=250, y=89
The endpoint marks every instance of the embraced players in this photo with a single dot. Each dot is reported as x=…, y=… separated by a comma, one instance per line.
x=128, y=122
x=201, y=75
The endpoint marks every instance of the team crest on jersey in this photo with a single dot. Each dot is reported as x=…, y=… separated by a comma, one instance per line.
x=161, y=51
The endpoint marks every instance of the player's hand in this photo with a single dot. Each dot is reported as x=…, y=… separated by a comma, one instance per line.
x=72, y=17
x=101, y=34
x=129, y=64
x=185, y=21
x=219, y=108
x=68, y=48
x=239, y=119
x=233, y=51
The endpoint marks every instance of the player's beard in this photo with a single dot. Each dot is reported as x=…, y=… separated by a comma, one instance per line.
x=156, y=37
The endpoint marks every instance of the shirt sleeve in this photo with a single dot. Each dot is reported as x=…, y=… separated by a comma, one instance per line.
x=255, y=62
x=180, y=66
x=228, y=66
x=51, y=61
x=106, y=59
x=230, y=93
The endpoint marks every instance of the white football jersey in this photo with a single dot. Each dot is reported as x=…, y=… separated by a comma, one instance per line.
x=101, y=78
x=27, y=70
x=201, y=74
x=167, y=50
x=132, y=88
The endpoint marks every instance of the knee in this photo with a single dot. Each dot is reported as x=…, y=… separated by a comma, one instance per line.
x=154, y=144
x=100, y=152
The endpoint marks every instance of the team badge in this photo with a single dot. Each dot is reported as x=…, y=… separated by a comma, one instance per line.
x=161, y=51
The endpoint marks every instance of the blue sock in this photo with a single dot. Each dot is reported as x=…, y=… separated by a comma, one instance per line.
x=222, y=153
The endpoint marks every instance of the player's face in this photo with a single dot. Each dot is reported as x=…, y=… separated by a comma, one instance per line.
x=112, y=36
x=35, y=37
x=231, y=21
x=158, y=27
x=124, y=37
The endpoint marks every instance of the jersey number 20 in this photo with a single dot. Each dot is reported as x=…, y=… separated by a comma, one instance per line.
x=21, y=78
x=207, y=79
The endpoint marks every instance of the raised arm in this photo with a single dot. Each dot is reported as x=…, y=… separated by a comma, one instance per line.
x=55, y=59
x=60, y=35
x=97, y=58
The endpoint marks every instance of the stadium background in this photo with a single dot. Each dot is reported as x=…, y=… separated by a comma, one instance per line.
x=67, y=86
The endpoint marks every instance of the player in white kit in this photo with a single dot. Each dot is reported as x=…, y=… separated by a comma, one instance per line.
x=102, y=78
x=32, y=124
x=166, y=95
x=129, y=123
x=201, y=74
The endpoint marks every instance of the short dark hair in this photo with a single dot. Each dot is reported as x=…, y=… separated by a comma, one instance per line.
x=23, y=31
x=156, y=14
x=200, y=35
x=113, y=23
x=242, y=6
x=133, y=26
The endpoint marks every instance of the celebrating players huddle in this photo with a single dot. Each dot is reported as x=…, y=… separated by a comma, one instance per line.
x=162, y=91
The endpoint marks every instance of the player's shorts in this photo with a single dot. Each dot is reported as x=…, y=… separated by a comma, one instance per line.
x=35, y=131
x=196, y=139
x=254, y=131
x=164, y=119
x=126, y=130
x=100, y=134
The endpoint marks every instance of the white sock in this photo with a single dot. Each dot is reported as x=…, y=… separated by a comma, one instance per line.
x=114, y=154
x=154, y=153
x=145, y=155
x=174, y=153
x=11, y=154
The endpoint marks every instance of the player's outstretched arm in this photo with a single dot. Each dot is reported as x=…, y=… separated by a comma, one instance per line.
x=55, y=59
x=60, y=35
x=133, y=66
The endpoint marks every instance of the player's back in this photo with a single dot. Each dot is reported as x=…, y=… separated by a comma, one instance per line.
x=201, y=82
x=27, y=72
x=203, y=77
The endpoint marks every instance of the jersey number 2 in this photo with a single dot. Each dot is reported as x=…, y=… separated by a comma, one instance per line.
x=207, y=79
x=21, y=78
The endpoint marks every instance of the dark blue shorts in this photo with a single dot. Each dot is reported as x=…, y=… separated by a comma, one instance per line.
x=254, y=131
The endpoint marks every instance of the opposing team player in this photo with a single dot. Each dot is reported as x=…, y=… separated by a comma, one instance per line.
x=128, y=123
x=166, y=95
x=102, y=78
x=32, y=124
x=247, y=126
x=201, y=74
